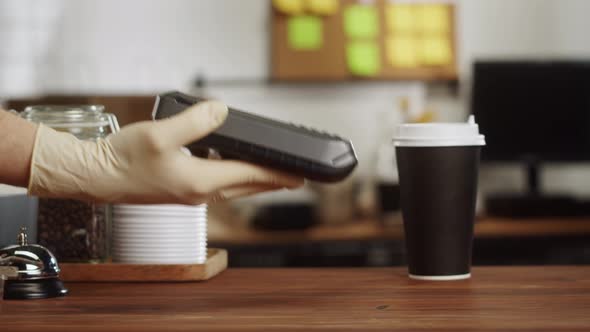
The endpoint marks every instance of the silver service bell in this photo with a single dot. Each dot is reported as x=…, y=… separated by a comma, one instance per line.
x=30, y=271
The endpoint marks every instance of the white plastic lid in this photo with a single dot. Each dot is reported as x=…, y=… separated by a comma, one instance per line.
x=439, y=134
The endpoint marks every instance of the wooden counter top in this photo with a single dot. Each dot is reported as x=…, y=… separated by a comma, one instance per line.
x=496, y=298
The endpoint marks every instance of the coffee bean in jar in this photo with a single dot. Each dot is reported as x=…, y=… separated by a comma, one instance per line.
x=74, y=231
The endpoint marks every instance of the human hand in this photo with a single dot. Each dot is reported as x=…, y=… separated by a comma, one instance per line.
x=143, y=163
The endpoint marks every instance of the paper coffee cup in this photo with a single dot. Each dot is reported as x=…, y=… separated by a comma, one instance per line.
x=438, y=166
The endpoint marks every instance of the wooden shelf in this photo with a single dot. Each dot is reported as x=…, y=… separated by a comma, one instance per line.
x=363, y=230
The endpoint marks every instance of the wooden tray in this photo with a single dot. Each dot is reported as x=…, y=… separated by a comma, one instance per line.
x=113, y=272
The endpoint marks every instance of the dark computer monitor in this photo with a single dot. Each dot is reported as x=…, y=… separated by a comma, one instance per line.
x=533, y=109
x=533, y=112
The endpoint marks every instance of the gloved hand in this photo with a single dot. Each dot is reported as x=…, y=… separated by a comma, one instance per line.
x=143, y=163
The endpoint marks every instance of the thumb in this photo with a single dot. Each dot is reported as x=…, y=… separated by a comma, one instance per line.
x=194, y=123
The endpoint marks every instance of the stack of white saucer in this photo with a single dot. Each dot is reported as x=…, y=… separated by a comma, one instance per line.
x=160, y=234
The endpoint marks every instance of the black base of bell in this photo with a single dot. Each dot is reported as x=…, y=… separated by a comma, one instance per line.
x=33, y=289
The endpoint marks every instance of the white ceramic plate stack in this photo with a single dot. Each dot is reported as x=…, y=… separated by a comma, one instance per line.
x=160, y=234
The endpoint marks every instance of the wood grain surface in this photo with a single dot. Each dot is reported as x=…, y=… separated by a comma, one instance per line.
x=368, y=229
x=115, y=272
x=383, y=299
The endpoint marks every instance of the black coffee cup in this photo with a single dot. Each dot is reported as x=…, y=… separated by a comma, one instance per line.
x=438, y=166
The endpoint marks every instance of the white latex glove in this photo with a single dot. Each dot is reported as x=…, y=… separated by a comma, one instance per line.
x=143, y=163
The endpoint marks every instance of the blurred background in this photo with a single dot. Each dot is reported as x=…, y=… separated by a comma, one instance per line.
x=355, y=68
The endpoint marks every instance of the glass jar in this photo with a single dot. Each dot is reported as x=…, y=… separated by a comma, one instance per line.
x=74, y=231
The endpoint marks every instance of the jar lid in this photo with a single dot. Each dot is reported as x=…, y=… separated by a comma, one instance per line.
x=67, y=116
x=439, y=134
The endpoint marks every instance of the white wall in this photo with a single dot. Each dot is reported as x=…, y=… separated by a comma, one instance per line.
x=504, y=28
x=150, y=45
x=147, y=45
x=26, y=27
x=570, y=31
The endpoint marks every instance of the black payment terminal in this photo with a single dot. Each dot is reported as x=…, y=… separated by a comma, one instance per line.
x=295, y=149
